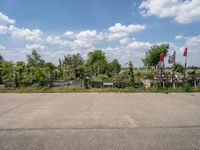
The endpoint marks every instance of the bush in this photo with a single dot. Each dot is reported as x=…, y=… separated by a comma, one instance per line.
x=150, y=74
x=187, y=87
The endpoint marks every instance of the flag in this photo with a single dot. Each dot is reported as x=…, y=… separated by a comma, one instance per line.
x=162, y=57
x=172, y=57
x=185, y=52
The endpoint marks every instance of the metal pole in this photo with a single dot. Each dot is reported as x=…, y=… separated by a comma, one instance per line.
x=173, y=77
x=163, y=76
x=185, y=68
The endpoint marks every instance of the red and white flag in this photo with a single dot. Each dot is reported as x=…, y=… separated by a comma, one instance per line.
x=185, y=52
x=162, y=57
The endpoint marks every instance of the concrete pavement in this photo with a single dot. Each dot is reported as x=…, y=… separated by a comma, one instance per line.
x=89, y=121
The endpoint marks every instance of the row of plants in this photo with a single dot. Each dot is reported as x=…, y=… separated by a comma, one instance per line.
x=37, y=74
x=155, y=89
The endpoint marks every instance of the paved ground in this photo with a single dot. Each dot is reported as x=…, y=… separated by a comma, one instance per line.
x=99, y=121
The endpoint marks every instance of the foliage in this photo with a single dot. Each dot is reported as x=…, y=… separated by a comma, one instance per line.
x=7, y=71
x=101, y=77
x=73, y=66
x=96, y=62
x=113, y=68
x=123, y=76
x=150, y=74
x=1, y=61
x=99, y=90
x=152, y=57
x=38, y=75
x=138, y=76
x=34, y=59
x=178, y=68
x=131, y=74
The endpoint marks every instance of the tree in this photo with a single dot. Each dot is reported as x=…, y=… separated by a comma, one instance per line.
x=178, y=68
x=81, y=72
x=1, y=61
x=7, y=70
x=152, y=57
x=60, y=69
x=113, y=68
x=96, y=62
x=49, y=69
x=40, y=77
x=131, y=74
x=72, y=64
x=20, y=69
x=34, y=60
x=35, y=64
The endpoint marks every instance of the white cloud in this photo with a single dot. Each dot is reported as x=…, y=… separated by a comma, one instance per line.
x=124, y=41
x=26, y=34
x=3, y=29
x=36, y=47
x=79, y=44
x=117, y=35
x=183, y=11
x=137, y=45
x=82, y=40
x=86, y=39
x=180, y=37
x=132, y=50
x=118, y=27
x=90, y=36
x=69, y=34
x=119, y=31
x=18, y=33
x=41, y=49
x=5, y=20
x=57, y=41
x=193, y=43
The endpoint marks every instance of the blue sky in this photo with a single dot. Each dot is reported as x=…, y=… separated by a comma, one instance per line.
x=124, y=29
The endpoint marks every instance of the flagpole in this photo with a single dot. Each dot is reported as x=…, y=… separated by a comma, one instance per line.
x=185, y=68
x=163, y=74
x=172, y=60
x=173, y=76
x=162, y=68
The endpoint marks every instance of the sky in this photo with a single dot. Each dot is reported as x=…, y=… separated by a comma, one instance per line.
x=123, y=29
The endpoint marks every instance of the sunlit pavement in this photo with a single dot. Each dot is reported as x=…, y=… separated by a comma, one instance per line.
x=99, y=121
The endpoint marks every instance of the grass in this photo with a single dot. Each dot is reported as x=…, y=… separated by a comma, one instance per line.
x=97, y=90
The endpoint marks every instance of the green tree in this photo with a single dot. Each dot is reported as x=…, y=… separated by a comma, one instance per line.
x=152, y=57
x=71, y=64
x=81, y=72
x=20, y=70
x=113, y=68
x=7, y=70
x=36, y=72
x=96, y=62
x=178, y=68
x=49, y=71
x=123, y=76
x=131, y=73
x=59, y=72
x=1, y=61
x=34, y=60
x=40, y=77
